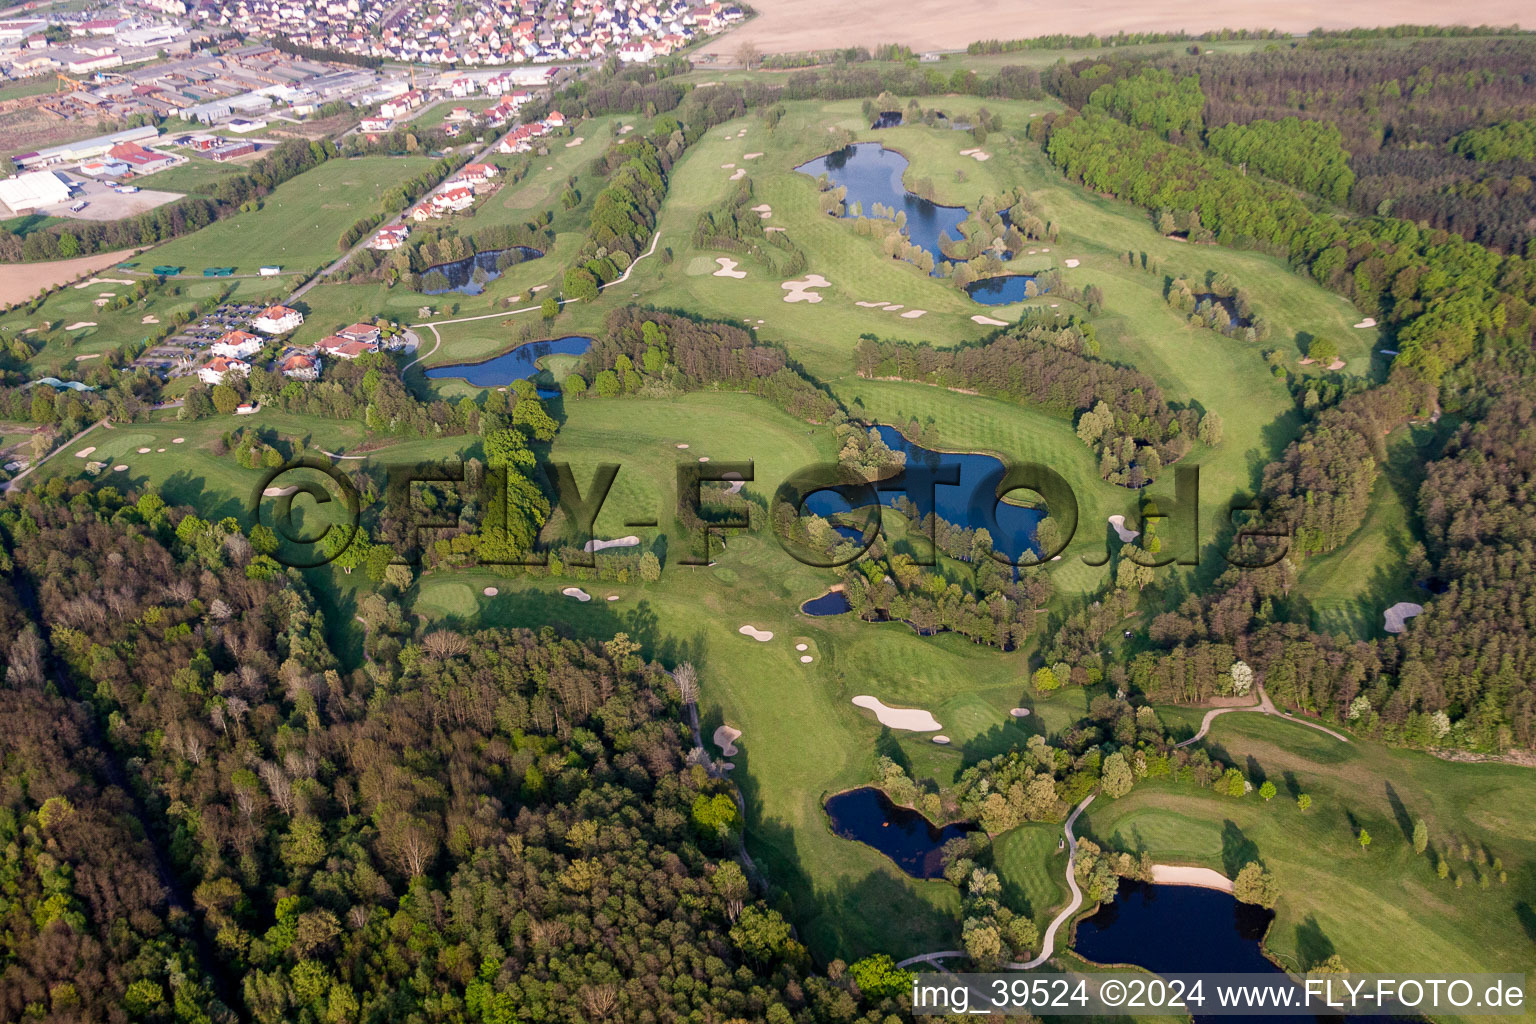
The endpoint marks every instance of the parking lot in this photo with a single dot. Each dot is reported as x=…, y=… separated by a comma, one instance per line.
x=105, y=204
x=185, y=350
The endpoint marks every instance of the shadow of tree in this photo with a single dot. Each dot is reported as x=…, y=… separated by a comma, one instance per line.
x=1236, y=849
x=1312, y=946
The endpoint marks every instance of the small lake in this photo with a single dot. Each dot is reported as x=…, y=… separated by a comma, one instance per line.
x=867, y=815
x=968, y=503
x=518, y=364
x=1181, y=929
x=872, y=174
x=833, y=602
x=1002, y=290
x=462, y=276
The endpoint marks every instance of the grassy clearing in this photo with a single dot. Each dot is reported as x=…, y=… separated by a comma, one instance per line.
x=1382, y=909
x=299, y=224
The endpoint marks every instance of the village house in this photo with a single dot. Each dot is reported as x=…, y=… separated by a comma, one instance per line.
x=454, y=199
x=219, y=366
x=390, y=238
x=344, y=348
x=236, y=345
x=366, y=333
x=277, y=320
x=299, y=366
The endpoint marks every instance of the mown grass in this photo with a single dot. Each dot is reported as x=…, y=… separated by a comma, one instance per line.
x=299, y=225
x=1382, y=909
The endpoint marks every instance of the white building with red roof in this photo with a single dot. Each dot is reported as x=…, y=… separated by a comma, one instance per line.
x=218, y=367
x=237, y=345
x=277, y=320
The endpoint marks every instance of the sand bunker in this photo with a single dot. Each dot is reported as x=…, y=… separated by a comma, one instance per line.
x=83, y=452
x=976, y=154
x=741, y=172
x=1369, y=321
x=1337, y=364
x=120, y=468
x=802, y=647
x=806, y=659
x=769, y=231
x=177, y=440
x=1126, y=536
x=871, y=305
x=626, y=129
x=800, y=291
x=578, y=140
x=1070, y=263
x=913, y=314
x=941, y=740
x=1398, y=615
x=276, y=492
x=1181, y=874
x=763, y=211
x=143, y=451
x=490, y=591
x=908, y=719
x=728, y=268
x=159, y=449
x=726, y=167
x=577, y=593
x=103, y=280
x=760, y=635
x=892, y=307
x=682, y=447
x=613, y=597
x=703, y=458
x=78, y=324
x=750, y=156
x=725, y=739
x=88, y=355
x=150, y=320
x=603, y=545
x=989, y=321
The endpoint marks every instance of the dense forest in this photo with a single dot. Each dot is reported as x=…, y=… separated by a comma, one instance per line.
x=1461, y=319
x=487, y=826
x=1437, y=130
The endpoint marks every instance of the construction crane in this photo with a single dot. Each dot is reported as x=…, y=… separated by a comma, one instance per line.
x=67, y=84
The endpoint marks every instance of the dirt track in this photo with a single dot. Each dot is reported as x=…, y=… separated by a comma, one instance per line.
x=791, y=25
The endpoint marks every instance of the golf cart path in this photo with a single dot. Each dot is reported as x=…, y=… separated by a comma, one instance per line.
x=1265, y=706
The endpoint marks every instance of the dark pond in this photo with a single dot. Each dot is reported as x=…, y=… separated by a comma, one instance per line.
x=911, y=840
x=887, y=119
x=462, y=276
x=1182, y=929
x=833, y=602
x=520, y=362
x=967, y=503
x=1001, y=290
x=872, y=174
x=1225, y=302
